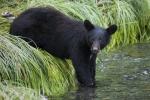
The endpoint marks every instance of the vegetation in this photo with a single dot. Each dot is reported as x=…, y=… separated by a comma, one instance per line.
x=32, y=68
x=36, y=69
x=11, y=92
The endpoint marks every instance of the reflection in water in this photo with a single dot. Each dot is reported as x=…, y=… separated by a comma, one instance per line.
x=85, y=94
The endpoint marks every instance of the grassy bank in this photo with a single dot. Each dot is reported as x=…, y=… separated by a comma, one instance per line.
x=24, y=65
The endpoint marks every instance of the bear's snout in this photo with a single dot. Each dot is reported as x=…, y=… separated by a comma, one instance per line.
x=95, y=50
x=95, y=47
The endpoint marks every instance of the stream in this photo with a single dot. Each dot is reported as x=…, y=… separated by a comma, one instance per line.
x=123, y=74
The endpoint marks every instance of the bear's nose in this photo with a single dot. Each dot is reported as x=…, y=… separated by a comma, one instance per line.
x=95, y=50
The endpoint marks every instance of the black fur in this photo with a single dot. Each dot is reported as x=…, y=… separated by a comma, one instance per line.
x=63, y=37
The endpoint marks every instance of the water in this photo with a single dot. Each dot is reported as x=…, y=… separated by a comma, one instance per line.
x=121, y=75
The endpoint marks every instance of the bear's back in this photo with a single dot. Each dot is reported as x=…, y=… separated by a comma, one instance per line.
x=39, y=18
x=49, y=29
x=45, y=20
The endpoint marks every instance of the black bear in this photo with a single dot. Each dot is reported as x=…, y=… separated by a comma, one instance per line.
x=65, y=38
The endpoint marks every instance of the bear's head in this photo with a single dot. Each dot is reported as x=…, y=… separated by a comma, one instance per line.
x=97, y=37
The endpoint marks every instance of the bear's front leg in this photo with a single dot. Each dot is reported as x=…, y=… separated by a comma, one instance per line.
x=80, y=61
x=93, y=66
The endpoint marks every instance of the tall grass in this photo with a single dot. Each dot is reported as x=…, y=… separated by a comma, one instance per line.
x=143, y=14
x=122, y=14
x=33, y=68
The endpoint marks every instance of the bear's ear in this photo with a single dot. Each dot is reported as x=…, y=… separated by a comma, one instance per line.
x=111, y=29
x=88, y=25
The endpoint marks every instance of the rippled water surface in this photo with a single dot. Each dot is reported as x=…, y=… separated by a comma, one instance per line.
x=121, y=75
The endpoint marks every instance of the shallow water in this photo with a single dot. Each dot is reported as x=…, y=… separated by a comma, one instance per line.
x=121, y=75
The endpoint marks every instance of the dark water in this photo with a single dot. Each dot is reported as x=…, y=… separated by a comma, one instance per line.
x=121, y=75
